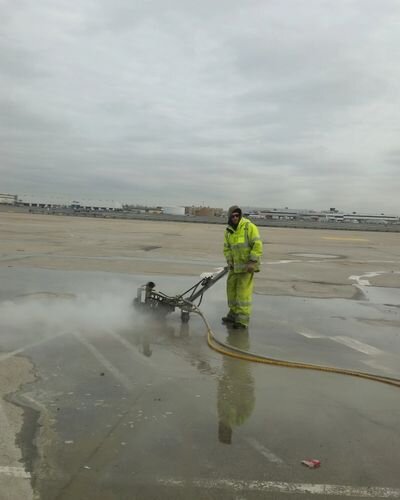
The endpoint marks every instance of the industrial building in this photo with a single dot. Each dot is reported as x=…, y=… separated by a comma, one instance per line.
x=81, y=205
x=173, y=210
x=284, y=215
x=204, y=211
x=8, y=199
x=333, y=215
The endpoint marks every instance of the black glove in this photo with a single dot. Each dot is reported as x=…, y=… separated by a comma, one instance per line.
x=251, y=266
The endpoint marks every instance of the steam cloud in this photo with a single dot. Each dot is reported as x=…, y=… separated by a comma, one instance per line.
x=82, y=312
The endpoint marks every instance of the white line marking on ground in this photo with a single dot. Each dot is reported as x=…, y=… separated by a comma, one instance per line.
x=268, y=454
x=343, y=239
x=29, y=346
x=275, y=262
x=37, y=405
x=311, y=335
x=357, y=345
x=283, y=487
x=14, y=472
x=364, y=282
x=359, y=281
x=102, y=360
x=129, y=347
x=347, y=341
x=377, y=366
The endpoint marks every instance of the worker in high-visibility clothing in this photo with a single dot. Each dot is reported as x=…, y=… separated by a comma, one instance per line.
x=242, y=249
x=236, y=398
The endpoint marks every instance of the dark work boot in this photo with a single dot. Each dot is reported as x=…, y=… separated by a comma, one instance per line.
x=228, y=320
x=239, y=326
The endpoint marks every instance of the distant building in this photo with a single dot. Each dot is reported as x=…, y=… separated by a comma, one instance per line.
x=332, y=215
x=279, y=214
x=8, y=199
x=204, y=211
x=75, y=205
x=173, y=210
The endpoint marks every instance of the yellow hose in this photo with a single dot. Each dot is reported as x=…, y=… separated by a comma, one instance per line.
x=236, y=353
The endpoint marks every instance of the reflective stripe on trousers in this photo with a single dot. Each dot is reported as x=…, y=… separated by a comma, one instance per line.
x=239, y=289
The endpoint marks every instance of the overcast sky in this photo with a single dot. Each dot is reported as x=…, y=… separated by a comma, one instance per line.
x=268, y=103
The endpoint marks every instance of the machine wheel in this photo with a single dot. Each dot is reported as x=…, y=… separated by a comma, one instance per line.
x=185, y=316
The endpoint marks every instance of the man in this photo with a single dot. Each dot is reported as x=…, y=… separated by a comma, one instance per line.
x=235, y=392
x=242, y=250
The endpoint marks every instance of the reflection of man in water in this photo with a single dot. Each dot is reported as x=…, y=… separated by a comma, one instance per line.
x=235, y=389
x=146, y=349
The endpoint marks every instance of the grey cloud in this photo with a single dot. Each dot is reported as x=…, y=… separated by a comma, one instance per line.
x=331, y=92
x=276, y=103
x=293, y=111
x=125, y=15
x=17, y=62
x=17, y=117
x=393, y=157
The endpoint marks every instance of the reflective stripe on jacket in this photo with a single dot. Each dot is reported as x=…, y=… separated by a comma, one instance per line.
x=242, y=246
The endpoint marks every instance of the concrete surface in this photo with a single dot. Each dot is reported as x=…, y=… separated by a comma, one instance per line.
x=100, y=402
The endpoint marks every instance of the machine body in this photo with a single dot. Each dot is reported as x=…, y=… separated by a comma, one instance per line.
x=148, y=299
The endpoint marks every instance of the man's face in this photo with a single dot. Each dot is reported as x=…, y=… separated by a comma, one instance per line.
x=235, y=217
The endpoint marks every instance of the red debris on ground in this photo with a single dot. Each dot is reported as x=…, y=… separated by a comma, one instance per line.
x=311, y=463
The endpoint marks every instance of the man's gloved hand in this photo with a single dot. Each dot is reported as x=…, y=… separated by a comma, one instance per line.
x=251, y=266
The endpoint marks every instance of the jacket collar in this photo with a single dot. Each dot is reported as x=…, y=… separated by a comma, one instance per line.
x=241, y=223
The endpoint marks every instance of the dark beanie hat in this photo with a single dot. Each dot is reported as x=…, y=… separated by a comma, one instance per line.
x=232, y=209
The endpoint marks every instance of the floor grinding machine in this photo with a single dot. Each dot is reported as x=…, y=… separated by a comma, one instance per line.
x=148, y=299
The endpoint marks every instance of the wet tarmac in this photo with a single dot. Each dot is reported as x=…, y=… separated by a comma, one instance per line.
x=113, y=404
x=131, y=406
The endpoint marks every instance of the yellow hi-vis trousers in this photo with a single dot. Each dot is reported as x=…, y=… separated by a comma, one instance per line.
x=239, y=289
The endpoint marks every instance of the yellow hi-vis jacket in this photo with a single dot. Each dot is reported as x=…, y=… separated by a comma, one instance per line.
x=242, y=246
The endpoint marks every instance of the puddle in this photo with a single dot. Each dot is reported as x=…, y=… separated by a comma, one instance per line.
x=382, y=295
